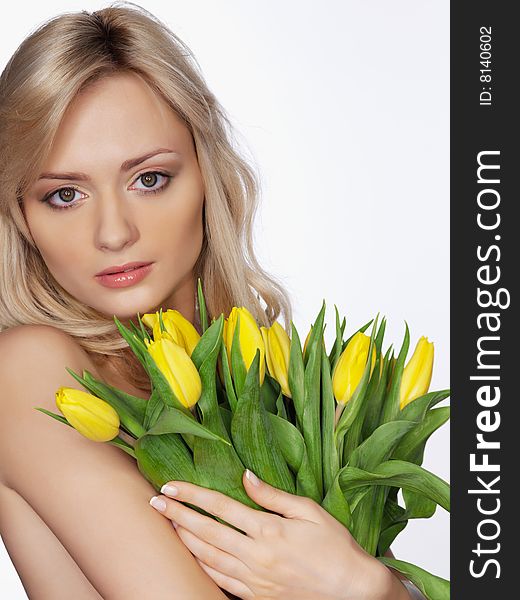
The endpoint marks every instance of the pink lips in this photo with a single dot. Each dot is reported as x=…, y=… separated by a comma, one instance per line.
x=120, y=268
x=110, y=279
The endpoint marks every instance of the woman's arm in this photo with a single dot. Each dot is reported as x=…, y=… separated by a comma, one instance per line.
x=89, y=494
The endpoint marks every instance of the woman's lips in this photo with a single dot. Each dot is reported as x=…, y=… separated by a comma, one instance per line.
x=119, y=280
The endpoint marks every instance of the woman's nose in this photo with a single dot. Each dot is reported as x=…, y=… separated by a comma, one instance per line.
x=115, y=228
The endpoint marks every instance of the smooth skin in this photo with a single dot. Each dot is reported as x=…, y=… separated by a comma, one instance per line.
x=297, y=551
x=114, y=217
x=89, y=500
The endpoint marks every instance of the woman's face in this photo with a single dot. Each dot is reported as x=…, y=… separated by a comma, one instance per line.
x=100, y=212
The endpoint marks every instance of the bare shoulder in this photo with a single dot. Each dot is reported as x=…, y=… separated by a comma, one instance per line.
x=33, y=361
x=15, y=342
x=90, y=495
x=31, y=349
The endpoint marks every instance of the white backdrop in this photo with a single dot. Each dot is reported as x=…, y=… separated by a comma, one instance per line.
x=344, y=108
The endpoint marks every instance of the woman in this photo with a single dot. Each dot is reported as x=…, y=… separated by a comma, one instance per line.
x=113, y=152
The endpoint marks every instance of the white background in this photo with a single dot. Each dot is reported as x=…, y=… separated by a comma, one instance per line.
x=344, y=108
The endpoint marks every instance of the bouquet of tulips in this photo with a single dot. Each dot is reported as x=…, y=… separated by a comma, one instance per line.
x=347, y=429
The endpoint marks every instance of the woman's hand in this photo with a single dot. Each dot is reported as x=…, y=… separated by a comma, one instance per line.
x=304, y=554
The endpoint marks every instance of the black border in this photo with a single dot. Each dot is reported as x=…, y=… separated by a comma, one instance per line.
x=476, y=128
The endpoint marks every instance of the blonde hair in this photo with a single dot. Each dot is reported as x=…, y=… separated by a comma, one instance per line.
x=50, y=67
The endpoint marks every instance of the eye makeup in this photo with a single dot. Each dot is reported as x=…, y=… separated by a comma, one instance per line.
x=72, y=204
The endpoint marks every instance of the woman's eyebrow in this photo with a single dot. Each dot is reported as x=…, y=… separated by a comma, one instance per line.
x=126, y=166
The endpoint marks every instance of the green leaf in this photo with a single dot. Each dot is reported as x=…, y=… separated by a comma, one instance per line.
x=431, y=586
x=336, y=504
x=136, y=330
x=368, y=517
x=253, y=435
x=59, y=418
x=296, y=376
x=379, y=446
x=217, y=465
x=280, y=407
x=209, y=343
x=388, y=535
x=306, y=481
x=401, y=474
x=335, y=353
x=391, y=408
x=202, y=306
x=269, y=392
x=328, y=404
x=163, y=458
x=290, y=441
x=228, y=381
x=292, y=446
x=154, y=408
x=227, y=415
x=145, y=335
x=136, y=344
x=312, y=399
x=131, y=409
x=120, y=443
x=368, y=514
x=361, y=329
x=380, y=335
x=238, y=366
x=417, y=409
x=394, y=521
x=374, y=401
x=175, y=421
x=418, y=506
x=411, y=447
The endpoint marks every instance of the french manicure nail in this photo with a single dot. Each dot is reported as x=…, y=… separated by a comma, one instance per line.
x=252, y=477
x=158, y=503
x=169, y=490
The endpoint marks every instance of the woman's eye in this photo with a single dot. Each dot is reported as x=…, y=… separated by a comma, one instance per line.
x=150, y=179
x=65, y=196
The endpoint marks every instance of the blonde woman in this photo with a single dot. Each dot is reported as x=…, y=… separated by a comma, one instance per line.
x=115, y=157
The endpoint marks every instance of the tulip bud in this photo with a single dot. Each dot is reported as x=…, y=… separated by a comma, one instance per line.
x=92, y=417
x=189, y=335
x=350, y=366
x=277, y=350
x=250, y=338
x=417, y=374
x=178, y=369
x=178, y=328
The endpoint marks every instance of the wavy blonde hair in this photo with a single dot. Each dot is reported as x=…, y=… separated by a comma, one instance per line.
x=50, y=67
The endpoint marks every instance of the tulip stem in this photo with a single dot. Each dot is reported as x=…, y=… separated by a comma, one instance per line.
x=126, y=438
x=337, y=415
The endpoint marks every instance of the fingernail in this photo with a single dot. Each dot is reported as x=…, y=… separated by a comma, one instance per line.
x=158, y=503
x=252, y=477
x=174, y=524
x=169, y=490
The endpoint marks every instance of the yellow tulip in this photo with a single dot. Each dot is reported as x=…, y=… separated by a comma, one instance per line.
x=418, y=372
x=92, y=417
x=179, y=329
x=349, y=368
x=277, y=351
x=250, y=338
x=178, y=369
